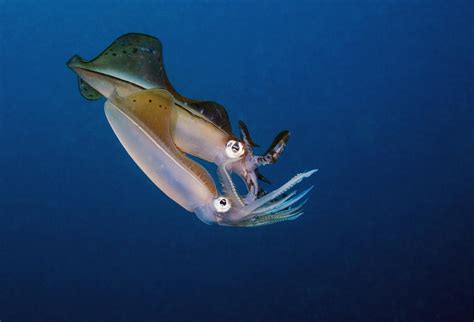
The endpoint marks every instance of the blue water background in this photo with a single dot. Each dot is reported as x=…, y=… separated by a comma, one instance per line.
x=377, y=94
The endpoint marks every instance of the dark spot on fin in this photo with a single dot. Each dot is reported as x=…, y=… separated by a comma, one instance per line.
x=136, y=57
x=88, y=92
x=214, y=112
x=136, y=54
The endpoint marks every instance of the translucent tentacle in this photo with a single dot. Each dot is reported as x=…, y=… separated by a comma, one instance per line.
x=267, y=208
x=274, y=194
x=282, y=204
x=269, y=219
x=227, y=184
x=271, y=208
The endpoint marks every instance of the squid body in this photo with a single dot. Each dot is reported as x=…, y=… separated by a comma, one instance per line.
x=158, y=127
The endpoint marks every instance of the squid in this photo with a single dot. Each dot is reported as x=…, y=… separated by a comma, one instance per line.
x=143, y=123
x=158, y=128
x=133, y=63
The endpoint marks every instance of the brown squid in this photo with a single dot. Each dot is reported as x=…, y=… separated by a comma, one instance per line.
x=156, y=125
x=134, y=62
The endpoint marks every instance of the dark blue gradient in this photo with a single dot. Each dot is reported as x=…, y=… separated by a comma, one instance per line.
x=378, y=95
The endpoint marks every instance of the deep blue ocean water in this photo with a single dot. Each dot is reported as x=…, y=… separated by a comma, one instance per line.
x=378, y=95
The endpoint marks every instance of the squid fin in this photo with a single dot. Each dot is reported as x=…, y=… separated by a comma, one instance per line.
x=88, y=92
x=138, y=59
x=135, y=58
x=214, y=112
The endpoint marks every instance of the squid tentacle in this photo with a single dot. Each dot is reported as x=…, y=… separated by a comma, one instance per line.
x=227, y=183
x=272, y=195
x=282, y=204
x=289, y=214
x=270, y=219
x=266, y=210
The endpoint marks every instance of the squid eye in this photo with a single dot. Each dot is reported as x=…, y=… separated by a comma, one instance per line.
x=234, y=149
x=222, y=204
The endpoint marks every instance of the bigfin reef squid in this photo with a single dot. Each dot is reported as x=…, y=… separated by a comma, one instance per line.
x=159, y=127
